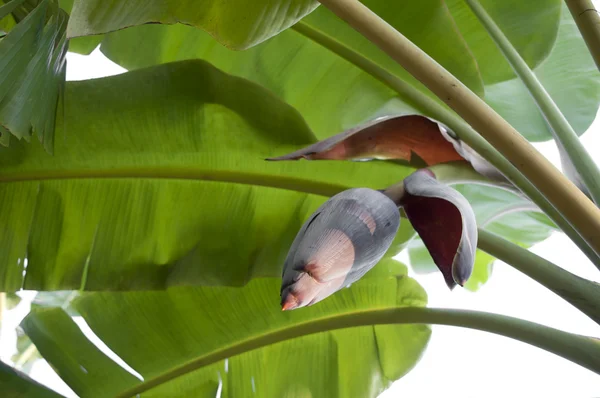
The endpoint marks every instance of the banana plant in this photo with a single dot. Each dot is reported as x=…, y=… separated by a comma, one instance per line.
x=269, y=155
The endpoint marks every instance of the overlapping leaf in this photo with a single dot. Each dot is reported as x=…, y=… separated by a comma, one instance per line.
x=32, y=71
x=237, y=24
x=161, y=180
x=161, y=174
x=330, y=93
x=520, y=21
x=333, y=95
x=569, y=75
x=157, y=332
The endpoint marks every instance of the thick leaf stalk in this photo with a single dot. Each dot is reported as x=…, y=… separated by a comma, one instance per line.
x=588, y=21
x=563, y=194
x=581, y=293
x=466, y=133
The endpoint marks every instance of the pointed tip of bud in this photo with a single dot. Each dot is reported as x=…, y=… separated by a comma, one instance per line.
x=289, y=302
x=343, y=239
x=453, y=284
x=450, y=282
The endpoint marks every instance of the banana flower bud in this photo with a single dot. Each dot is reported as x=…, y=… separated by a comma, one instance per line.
x=337, y=245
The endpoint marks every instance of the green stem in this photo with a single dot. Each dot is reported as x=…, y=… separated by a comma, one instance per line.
x=588, y=21
x=562, y=130
x=582, y=350
x=439, y=112
x=583, y=215
x=581, y=293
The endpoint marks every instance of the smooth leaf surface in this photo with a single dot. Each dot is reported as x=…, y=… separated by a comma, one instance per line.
x=520, y=20
x=15, y=384
x=159, y=179
x=569, y=75
x=238, y=24
x=155, y=332
x=32, y=72
x=80, y=45
x=331, y=94
x=334, y=95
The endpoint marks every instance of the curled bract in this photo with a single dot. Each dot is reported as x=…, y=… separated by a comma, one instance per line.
x=416, y=139
x=388, y=137
x=445, y=221
x=337, y=245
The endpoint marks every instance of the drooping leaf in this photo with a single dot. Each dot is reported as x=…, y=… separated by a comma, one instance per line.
x=192, y=323
x=238, y=24
x=160, y=181
x=153, y=188
x=32, y=73
x=15, y=384
x=334, y=95
x=331, y=94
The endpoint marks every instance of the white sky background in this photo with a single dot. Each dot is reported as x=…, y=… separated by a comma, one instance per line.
x=458, y=362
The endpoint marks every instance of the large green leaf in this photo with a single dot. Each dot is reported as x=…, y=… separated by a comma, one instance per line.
x=520, y=20
x=237, y=24
x=15, y=384
x=570, y=77
x=333, y=95
x=157, y=332
x=32, y=71
x=159, y=179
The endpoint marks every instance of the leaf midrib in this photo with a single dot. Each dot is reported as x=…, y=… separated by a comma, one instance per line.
x=305, y=185
x=372, y=317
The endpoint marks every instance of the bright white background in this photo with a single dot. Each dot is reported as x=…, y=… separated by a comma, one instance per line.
x=458, y=362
